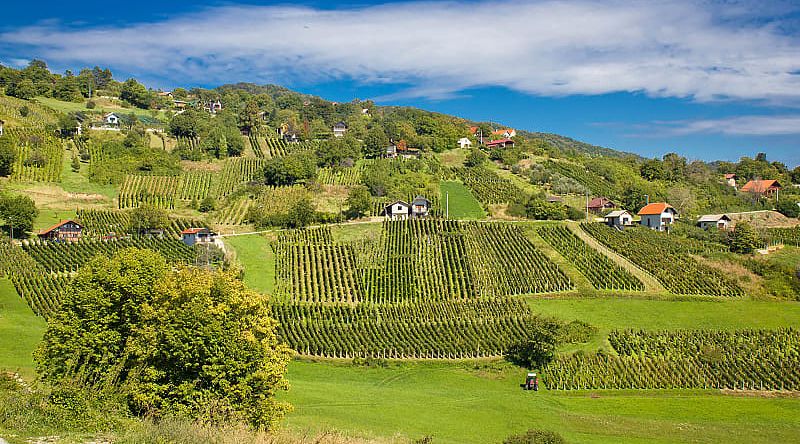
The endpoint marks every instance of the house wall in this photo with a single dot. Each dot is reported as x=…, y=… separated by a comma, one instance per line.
x=654, y=221
x=189, y=239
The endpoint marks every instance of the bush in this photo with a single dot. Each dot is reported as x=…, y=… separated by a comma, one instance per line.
x=91, y=105
x=534, y=436
x=788, y=207
x=207, y=205
x=744, y=239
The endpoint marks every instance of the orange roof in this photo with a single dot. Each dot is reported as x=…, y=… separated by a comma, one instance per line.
x=759, y=186
x=730, y=176
x=58, y=225
x=193, y=230
x=654, y=208
x=473, y=129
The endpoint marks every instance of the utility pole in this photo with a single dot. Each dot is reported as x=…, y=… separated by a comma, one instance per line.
x=447, y=204
x=647, y=199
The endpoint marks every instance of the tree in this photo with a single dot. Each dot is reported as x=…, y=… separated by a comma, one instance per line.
x=189, y=342
x=744, y=239
x=148, y=217
x=788, y=207
x=7, y=156
x=336, y=151
x=136, y=94
x=475, y=157
x=22, y=89
x=540, y=209
x=796, y=175
x=288, y=170
x=187, y=124
x=375, y=142
x=75, y=164
x=537, y=351
x=67, y=89
x=68, y=125
x=301, y=213
x=248, y=117
x=359, y=201
x=653, y=169
x=17, y=212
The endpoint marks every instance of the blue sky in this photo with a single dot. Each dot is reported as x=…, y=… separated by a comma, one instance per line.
x=708, y=79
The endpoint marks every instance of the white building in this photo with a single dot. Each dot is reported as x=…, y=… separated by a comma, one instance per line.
x=111, y=119
x=397, y=210
x=420, y=207
x=720, y=221
x=464, y=142
x=193, y=236
x=619, y=218
x=339, y=129
x=2, y=123
x=658, y=216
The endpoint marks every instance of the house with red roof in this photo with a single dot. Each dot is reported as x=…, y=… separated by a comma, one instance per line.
x=658, y=216
x=505, y=133
x=502, y=143
x=762, y=187
x=65, y=231
x=599, y=204
x=730, y=179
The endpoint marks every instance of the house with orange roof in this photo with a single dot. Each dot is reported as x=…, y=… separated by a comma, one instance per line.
x=64, y=231
x=762, y=187
x=658, y=216
x=505, y=133
x=730, y=179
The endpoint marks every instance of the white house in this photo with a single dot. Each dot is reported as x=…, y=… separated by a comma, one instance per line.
x=193, y=236
x=619, y=218
x=420, y=207
x=721, y=221
x=730, y=179
x=391, y=151
x=111, y=119
x=464, y=142
x=339, y=129
x=397, y=210
x=2, y=123
x=658, y=216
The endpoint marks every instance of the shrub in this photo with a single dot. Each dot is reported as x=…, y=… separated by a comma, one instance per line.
x=534, y=436
x=91, y=105
x=788, y=207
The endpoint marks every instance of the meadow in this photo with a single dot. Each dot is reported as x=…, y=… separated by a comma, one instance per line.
x=20, y=332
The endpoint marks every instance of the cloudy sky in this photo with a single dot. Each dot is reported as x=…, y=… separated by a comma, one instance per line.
x=710, y=79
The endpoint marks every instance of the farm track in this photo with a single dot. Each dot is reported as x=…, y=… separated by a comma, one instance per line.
x=649, y=281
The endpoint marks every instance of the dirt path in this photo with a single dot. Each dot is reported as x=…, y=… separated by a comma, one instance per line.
x=650, y=282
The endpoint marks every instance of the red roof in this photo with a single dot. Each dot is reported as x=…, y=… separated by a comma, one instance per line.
x=760, y=186
x=730, y=176
x=501, y=131
x=473, y=130
x=498, y=142
x=193, y=230
x=655, y=208
x=599, y=202
x=59, y=225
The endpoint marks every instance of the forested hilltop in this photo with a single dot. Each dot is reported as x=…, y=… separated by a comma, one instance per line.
x=170, y=261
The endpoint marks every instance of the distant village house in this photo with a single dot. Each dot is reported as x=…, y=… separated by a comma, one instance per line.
x=464, y=143
x=339, y=129
x=762, y=188
x=420, y=207
x=730, y=179
x=658, y=216
x=194, y=236
x=720, y=221
x=111, y=119
x=502, y=143
x=401, y=210
x=618, y=219
x=2, y=124
x=66, y=231
x=505, y=133
x=599, y=204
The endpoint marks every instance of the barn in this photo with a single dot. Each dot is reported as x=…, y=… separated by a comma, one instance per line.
x=68, y=230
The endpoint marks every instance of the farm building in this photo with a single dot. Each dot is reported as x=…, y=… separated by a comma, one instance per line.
x=730, y=179
x=721, y=221
x=391, y=151
x=165, y=94
x=502, y=143
x=658, y=216
x=505, y=133
x=420, y=207
x=407, y=152
x=618, y=219
x=762, y=187
x=68, y=230
x=464, y=143
x=397, y=210
x=193, y=236
x=213, y=106
x=599, y=204
x=111, y=119
x=339, y=129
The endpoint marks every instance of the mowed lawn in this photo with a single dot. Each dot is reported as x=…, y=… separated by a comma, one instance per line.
x=20, y=331
x=461, y=405
x=257, y=258
x=463, y=204
x=621, y=313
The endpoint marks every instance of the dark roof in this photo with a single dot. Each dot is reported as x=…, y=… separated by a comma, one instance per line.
x=599, y=202
x=420, y=200
x=340, y=125
x=59, y=225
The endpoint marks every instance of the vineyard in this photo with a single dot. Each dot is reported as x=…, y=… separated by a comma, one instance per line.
x=597, y=184
x=158, y=191
x=347, y=176
x=601, y=271
x=196, y=185
x=60, y=257
x=40, y=289
x=667, y=259
x=419, y=330
x=487, y=186
x=235, y=171
x=39, y=155
x=280, y=147
x=102, y=223
x=788, y=236
x=685, y=359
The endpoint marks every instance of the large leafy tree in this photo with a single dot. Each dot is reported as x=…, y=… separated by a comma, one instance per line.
x=136, y=94
x=17, y=212
x=7, y=156
x=188, y=342
x=148, y=217
x=744, y=239
x=359, y=201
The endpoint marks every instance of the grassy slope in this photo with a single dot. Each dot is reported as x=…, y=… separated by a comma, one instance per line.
x=68, y=107
x=258, y=260
x=456, y=405
x=463, y=204
x=20, y=331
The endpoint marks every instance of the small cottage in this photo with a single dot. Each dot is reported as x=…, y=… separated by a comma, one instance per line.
x=2, y=123
x=505, y=133
x=407, y=152
x=502, y=143
x=339, y=129
x=618, y=219
x=397, y=210
x=764, y=188
x=600, y=204
x=420, y=207
x=66, y=231
x=464, y=143
x=720, y=221
x=730, y=180
x=194, y=236
x=658, y=216
x=111, y=119
x=391, y=151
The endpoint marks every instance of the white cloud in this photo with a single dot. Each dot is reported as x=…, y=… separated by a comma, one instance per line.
x=735, y=126
x=701, y=51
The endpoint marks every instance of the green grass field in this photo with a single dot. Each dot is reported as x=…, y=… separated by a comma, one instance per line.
x=20, y=331
x=258, y=260
x=461, y=405
x=69, y=107
x=463, y=204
